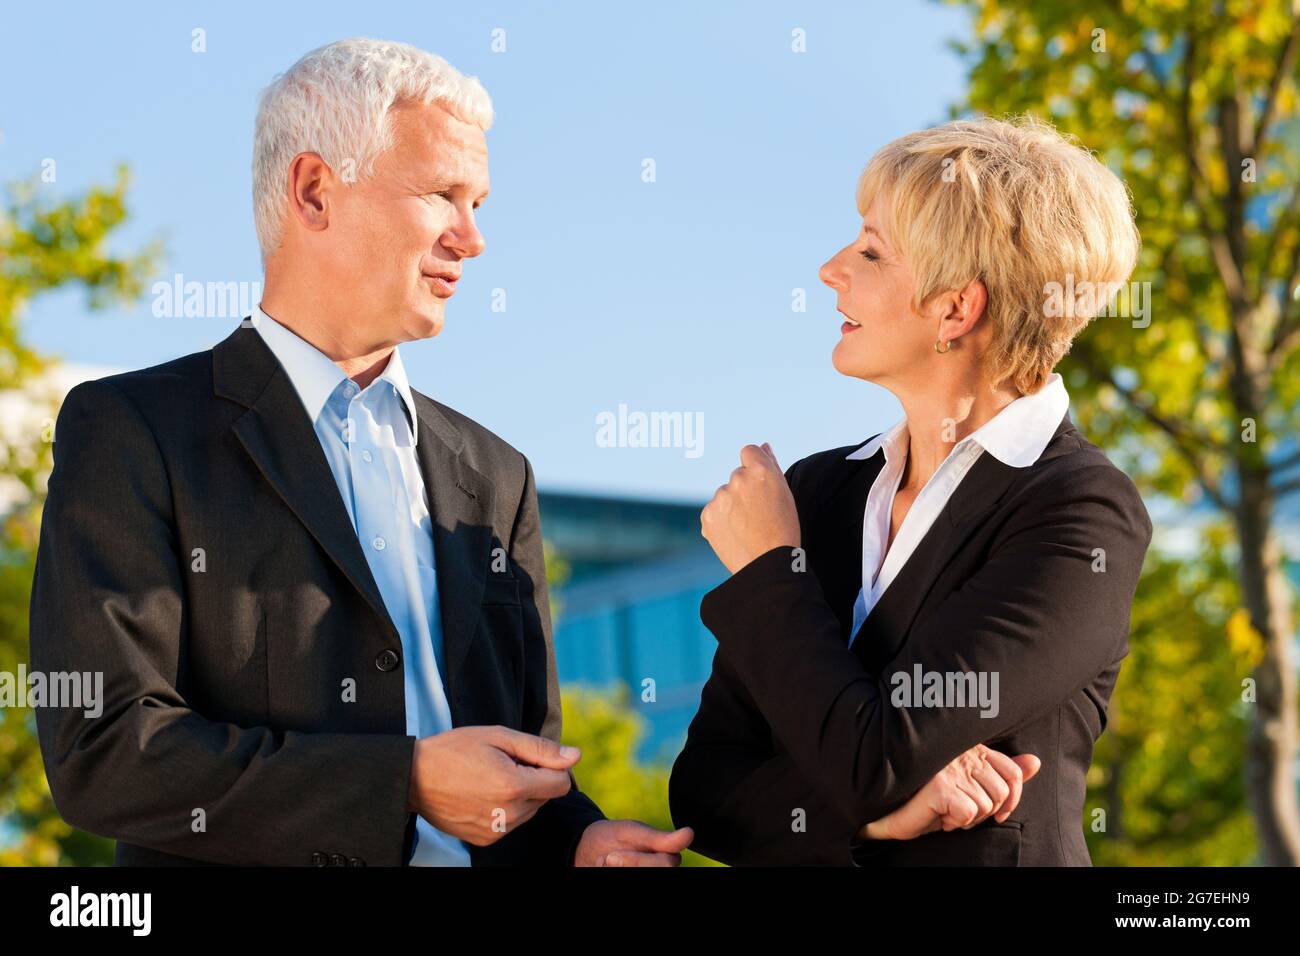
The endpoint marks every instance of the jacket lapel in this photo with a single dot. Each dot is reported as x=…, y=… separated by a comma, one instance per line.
x=838, y=534
x=282, y=442
x=460, y=505
x=886, y=628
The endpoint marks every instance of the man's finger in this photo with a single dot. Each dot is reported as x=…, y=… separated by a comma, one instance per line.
x=541, y=783
x=771, y=454
x=537, y=751
x=634, y=858
x=644, y=837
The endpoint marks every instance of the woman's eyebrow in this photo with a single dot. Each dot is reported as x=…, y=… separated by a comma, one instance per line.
x=873, y=231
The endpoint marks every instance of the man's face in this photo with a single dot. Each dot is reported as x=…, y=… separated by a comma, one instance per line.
x=399, y=237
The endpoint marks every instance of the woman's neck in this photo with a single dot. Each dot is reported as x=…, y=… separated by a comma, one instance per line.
x=940, y=415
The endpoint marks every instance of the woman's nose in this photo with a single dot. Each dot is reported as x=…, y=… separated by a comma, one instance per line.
x=831, y=275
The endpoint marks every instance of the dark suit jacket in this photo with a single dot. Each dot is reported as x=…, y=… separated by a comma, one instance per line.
x=195, y=548
x=792, y=719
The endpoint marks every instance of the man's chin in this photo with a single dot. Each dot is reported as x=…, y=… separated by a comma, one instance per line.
x=425, y=325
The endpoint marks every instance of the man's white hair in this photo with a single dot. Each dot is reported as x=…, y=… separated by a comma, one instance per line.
x=335, y=102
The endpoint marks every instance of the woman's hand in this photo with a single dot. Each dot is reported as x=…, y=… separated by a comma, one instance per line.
x=752, y=513
x=977, y=785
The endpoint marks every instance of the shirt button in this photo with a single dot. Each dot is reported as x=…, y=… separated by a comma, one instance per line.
x=349, y=390
x=366, y=456
x=379, y=543
x=387, y=660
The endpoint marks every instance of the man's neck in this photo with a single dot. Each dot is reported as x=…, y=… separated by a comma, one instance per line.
x=358, y=363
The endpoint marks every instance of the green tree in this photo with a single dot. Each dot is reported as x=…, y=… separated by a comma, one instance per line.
x=1166, y=774
x=1194, y=104
x=604, y=726
x=44, y=245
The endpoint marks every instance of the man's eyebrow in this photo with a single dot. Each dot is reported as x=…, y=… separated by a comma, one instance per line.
x=446, y=185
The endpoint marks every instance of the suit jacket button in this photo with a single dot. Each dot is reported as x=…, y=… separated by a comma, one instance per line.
x=356, y=861
x=387, y=660
x=338, y=859
x=319, y=859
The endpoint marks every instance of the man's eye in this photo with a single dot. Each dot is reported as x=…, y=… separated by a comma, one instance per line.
x=869, y=255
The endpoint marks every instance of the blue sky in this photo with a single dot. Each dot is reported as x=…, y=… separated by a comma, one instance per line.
x=666, y=296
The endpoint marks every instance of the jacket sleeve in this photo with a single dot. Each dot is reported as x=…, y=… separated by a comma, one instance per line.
x=748, y=803
x=108, y=599
x=553, y=833
x=1037, y=615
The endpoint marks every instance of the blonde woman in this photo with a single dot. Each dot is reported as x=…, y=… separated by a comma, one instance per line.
x=920, y=636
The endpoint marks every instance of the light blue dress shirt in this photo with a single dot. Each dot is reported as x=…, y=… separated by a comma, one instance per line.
x=369, y=437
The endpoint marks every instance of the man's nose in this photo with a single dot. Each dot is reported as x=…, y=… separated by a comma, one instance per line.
x=465, y=239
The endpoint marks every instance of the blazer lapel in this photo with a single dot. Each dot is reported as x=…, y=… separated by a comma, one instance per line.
x=460, y=506
x=839, y=535
x=886, y=628
x=282, y=442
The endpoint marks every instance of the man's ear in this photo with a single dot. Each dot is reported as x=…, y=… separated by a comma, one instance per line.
x=310, y=182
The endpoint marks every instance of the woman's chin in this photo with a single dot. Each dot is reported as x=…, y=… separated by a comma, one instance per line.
x=846, y=363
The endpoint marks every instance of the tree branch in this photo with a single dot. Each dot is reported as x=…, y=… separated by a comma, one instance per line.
x=1191, y=445
x=1290, y=461
x=1220, y=247
x=1286, y=488
x=1285, y=61
x=1288, y=323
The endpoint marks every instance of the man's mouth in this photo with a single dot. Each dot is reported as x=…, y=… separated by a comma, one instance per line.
x=848, y=323
x=442, y=283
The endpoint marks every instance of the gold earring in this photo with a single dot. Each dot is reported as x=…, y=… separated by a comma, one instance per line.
x=946, y=346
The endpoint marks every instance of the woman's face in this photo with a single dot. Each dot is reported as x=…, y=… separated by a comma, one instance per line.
x=884, y=339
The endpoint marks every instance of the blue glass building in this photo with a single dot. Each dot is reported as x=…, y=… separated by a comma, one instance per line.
x=629, y=610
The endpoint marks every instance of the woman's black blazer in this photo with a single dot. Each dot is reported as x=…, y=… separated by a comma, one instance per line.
x=1028, y=573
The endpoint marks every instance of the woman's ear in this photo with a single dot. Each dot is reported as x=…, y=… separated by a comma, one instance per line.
x=961, y=310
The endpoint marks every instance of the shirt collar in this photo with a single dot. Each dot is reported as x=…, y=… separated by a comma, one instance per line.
x=314, y=375
x=891, y=441
x=1015, y=436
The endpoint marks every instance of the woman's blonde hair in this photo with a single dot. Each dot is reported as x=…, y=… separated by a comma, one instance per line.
x=1020, y=207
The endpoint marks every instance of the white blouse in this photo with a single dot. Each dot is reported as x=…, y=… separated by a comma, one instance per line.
x=1016, y=436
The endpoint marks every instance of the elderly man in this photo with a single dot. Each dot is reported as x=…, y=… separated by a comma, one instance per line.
x=318, y=597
